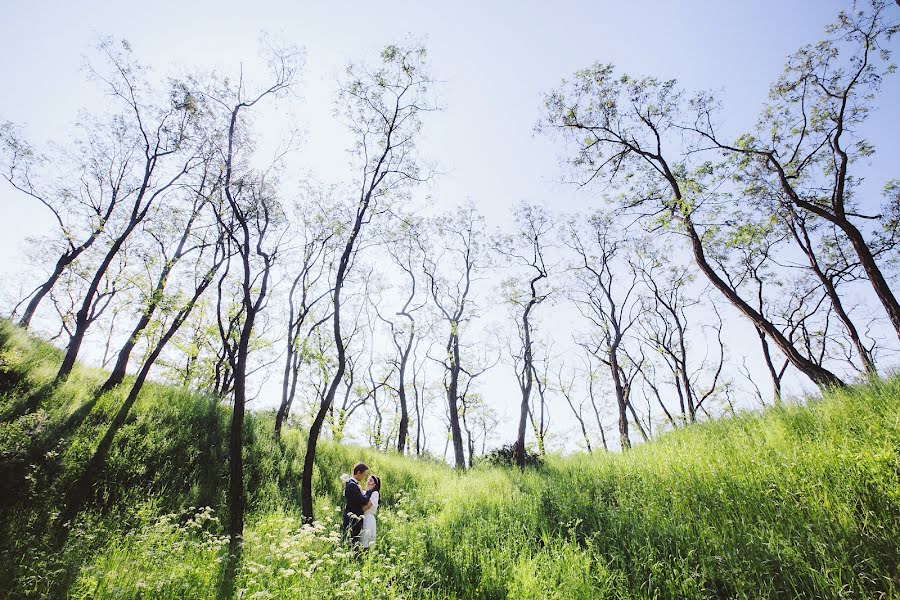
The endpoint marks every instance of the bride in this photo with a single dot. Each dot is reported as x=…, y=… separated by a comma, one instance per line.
x=369, y=526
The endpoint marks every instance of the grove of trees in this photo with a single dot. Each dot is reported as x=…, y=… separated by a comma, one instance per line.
x=186, y=254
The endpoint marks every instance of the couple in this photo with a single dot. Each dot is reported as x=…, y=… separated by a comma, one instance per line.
x=360, y=508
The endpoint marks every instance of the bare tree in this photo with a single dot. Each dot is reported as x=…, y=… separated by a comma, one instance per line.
x=82, y=186
x=539, y=408
x=666, y=327
x=403, y=250
x=186, y=241
x=566, y=386
x=421, y=397
x=592, y=378
x=830, y=274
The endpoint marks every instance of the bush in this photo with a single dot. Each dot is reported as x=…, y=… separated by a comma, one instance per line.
x=505, y=456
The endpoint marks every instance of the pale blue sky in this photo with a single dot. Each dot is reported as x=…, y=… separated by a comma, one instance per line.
x=495, y=60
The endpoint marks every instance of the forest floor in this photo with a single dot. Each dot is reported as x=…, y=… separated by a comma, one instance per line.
x=802, y=500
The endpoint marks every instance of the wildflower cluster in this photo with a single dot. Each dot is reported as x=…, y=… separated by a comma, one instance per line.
x=177, y=555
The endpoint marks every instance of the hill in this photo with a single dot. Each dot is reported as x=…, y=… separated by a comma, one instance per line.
x=797, y=501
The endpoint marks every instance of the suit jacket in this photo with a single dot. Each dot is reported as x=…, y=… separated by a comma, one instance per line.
x=354, y=501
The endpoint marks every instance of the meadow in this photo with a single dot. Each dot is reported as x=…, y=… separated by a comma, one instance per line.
x=798, y=501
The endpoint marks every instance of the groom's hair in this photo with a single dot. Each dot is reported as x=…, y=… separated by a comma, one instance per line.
x=360, y=468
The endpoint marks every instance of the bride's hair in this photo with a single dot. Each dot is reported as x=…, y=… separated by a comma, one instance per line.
x=377, y=487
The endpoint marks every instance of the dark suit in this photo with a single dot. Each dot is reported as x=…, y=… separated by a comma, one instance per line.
x=354, y=504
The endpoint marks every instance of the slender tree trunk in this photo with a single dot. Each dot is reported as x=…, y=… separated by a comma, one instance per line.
x=81, y=317
x=873, y=272
x=637, y=421
x=621, y=401
x=798, y=229
x=31, y=308
x=579, y=418
x=525, y=388
x=312, y=440
x=62, y=263
x=452, y=398
x=597, y=413
x=119, y=370
x=416, y=399
x=403, y=431
x=236, y=461
x=839, y=218
x=286, y=387
x=818, y=374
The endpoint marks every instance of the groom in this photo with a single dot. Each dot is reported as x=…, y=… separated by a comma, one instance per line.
x=355, y=504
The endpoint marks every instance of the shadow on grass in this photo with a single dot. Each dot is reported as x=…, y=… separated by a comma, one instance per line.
x=228, y=570
x=31, y=401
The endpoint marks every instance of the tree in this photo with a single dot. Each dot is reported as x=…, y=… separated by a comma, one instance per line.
x=610, y=303
x=252, y=219
x=167, y=143
x=526, y=248
x=808, y=137
x=82, y=487
x=183, y=240
x=666, y=325
x=567, y=389
x=540, y=416
x=81, y=186
x=830, y=274
x=383, y=109
x=403, y=251
x=310, y=289
x=626, y=128
x=451, y=264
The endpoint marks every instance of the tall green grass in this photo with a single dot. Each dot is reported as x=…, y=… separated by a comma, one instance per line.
x=798, y=501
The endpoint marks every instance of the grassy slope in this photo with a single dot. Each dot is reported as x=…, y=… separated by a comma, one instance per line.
x=796, y=502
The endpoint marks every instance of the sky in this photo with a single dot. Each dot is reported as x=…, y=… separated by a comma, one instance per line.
x=494, y=62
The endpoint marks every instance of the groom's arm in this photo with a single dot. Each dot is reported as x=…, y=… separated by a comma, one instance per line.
x=355, y=494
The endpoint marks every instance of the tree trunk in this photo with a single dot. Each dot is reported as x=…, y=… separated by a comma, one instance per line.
x=81, y=317
x=818, y=374
x=798, y=229
x=526, y=391
x=403, y=432
x=64, y=261
x=452, y=397
x=286, y=388
x=236, y=462
x=621, y=401
x=876, y=278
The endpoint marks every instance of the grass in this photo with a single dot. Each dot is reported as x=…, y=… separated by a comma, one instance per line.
x=798, y=501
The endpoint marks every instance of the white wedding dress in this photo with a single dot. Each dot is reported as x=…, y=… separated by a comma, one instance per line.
x=369, y=526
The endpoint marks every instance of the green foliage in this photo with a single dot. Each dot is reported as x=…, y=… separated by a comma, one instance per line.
x=798, y=501
x=505, y=456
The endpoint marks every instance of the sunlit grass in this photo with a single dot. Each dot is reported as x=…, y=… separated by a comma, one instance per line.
x=798, y=501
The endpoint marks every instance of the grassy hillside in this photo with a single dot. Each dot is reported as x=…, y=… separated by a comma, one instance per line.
x=795, y=502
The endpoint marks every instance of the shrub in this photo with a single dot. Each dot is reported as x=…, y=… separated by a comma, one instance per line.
x=505, y=456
